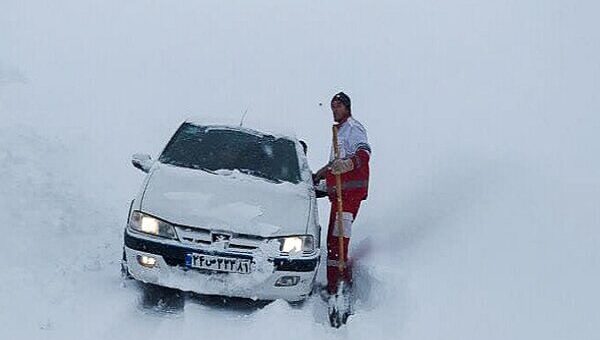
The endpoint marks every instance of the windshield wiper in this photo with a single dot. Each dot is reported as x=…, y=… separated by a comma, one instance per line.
x=207, y=170
x=259, y=174
x=195, y=168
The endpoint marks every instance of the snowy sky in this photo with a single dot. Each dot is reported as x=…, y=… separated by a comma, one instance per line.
x=483, y=117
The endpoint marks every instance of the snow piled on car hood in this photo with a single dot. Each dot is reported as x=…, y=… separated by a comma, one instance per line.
x=228, y=201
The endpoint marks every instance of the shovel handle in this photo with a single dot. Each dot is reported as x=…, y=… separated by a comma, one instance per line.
x=340, y=207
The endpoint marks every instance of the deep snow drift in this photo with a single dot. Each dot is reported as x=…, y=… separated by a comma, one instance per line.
x=482, y=220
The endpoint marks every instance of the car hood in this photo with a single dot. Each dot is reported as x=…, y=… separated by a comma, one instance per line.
x=226, y=201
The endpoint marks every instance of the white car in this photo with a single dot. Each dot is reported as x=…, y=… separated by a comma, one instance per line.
x=225, y=210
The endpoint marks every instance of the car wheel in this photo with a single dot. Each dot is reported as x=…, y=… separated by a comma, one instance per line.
x=161, y=299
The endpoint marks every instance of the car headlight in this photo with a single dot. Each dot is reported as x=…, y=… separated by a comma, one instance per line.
x=149, y=225
x=296, y=244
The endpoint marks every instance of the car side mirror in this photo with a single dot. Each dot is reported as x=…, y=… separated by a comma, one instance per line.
x=142, y=161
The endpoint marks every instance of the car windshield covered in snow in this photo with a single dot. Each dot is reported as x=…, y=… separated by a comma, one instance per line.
x=216, y=148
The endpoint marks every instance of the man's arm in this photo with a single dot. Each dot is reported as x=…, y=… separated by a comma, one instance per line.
x=361, y=157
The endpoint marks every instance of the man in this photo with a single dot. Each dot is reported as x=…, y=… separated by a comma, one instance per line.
x=353, y=167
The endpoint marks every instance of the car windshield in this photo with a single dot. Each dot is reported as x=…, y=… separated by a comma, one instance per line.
x=216, y=148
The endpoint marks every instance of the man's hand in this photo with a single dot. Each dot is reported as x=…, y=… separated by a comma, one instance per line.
x=340, y=166
x=320, y=174
x=315, y=179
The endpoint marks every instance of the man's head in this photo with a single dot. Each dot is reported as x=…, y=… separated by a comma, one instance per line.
x=341, y=107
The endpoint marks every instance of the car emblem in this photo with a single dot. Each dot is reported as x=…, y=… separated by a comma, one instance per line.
x=220, y=240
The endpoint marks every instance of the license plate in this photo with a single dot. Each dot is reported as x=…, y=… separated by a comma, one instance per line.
x=218, y=263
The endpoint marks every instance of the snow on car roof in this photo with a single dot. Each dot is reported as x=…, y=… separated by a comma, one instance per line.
x=270, y=127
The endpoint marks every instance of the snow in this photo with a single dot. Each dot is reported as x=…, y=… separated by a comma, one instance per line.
x=231, y=201
x=274, y=128
x=483, y=213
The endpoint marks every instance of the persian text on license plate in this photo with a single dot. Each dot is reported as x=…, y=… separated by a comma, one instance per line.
x=218, y=263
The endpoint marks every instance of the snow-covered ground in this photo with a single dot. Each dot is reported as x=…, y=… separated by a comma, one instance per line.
x=483, y=215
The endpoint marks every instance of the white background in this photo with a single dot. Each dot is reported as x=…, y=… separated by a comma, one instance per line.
x=483, y=215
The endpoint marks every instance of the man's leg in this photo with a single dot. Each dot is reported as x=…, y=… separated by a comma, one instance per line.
x=333, y=250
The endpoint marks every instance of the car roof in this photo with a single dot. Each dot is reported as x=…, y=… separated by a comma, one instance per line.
x=229, y=125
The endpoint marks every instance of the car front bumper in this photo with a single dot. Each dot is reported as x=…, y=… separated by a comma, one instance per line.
x=170, y=270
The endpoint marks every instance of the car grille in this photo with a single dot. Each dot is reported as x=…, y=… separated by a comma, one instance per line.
x=202, y=238
x=175, y=255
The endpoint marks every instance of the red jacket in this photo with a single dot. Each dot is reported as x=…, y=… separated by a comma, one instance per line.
x=353, y=144
x=355, y=183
